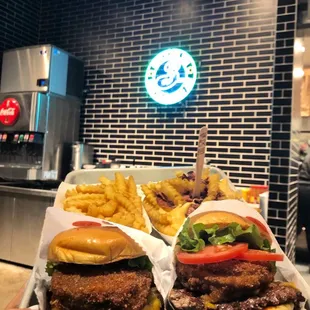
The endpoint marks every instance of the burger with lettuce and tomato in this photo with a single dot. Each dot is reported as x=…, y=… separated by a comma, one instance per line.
x=225, y=261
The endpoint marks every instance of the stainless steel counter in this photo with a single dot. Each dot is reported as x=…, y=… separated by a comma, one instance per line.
x=28, y=191
x=22, y=212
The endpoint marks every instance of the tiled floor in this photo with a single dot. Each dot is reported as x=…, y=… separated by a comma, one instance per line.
x=13, y=277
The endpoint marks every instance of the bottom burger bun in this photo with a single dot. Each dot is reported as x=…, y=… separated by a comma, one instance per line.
x=93, y=245
x=281, y=307
x=100, y=268
x=278, y=296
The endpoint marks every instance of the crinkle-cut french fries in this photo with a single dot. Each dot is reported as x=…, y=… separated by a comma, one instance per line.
x=213, y=187
x=113, y=200
x=169, y=202
x=85, y=189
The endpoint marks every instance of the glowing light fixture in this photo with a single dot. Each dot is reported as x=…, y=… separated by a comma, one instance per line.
x=170, y=76
x=299, y=47
x=298, y=73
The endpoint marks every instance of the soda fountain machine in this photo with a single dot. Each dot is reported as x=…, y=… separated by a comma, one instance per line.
x=40, y=98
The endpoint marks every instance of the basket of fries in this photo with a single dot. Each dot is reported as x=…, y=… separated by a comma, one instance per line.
x=170, y=201
x=115, y=200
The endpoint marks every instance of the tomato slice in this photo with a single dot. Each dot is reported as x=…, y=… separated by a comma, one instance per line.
x=213, y=254
x=86, y=224
x=258, y=255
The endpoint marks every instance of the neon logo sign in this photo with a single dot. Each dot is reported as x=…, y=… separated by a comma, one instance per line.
x=170, y=76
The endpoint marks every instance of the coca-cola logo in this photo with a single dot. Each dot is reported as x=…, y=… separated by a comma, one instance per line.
x=9, y=111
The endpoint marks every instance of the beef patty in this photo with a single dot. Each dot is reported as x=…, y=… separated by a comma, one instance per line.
x=96, y=287
x=276, y=294
x=226, y=281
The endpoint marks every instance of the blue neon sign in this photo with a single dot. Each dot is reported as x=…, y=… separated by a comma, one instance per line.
x=170, y=76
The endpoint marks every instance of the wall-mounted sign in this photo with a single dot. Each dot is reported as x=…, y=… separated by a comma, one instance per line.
x=170, y=76
x=9, y=111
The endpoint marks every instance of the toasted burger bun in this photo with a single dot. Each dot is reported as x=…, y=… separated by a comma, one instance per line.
x=93, y=246
x=223, y=219
x=220, y=218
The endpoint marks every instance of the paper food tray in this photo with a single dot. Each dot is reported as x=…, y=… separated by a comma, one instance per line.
x=285, y=270
x=141, y=175
x=29, y=291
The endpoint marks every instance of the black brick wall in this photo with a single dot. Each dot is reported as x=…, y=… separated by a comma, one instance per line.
x=19, y=23
x=233, y=45
x=284, y=155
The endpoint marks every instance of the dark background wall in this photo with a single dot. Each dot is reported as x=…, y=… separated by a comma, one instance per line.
x=233, y=45
x=244, y=53
x=19, y=23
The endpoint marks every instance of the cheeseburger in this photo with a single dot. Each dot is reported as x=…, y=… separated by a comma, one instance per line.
x=100, y=268
x=225, y=262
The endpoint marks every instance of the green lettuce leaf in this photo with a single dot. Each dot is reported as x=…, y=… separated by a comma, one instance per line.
x=194, y=239
x=142, y=262
x=221, y=236
x=50, y=268
x=267, y=246
x=188, y=243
